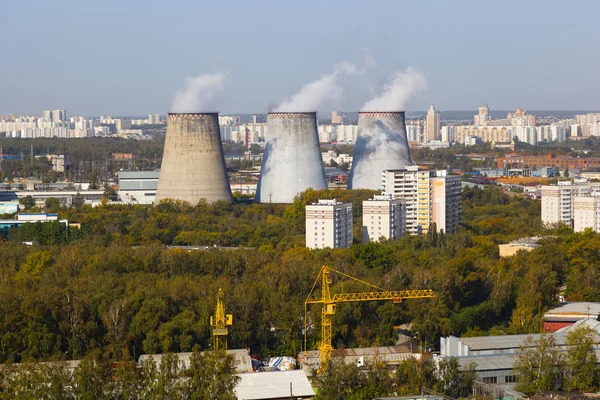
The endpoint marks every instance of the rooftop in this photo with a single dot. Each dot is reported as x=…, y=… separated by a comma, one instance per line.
x=274, y=385
x=573, y=311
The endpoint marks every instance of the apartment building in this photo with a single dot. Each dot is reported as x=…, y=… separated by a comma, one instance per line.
x=558, y=205
x=431, y=197
x=328, y=224
x=383, y=217
x=586, y=213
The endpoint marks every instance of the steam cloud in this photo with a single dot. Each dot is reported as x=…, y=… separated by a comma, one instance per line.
x=197, y=93
x=314, y=94
x=395, y=93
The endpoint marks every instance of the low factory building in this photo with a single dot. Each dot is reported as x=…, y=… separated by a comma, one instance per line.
x=390, y=355
x=277, y=385
x=568, y=314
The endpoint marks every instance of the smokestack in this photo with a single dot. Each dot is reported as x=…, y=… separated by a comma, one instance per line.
x=193, y=167
x=381, y=144
x=292, y=159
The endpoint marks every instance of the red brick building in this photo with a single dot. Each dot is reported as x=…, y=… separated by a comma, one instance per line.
x=548, y=160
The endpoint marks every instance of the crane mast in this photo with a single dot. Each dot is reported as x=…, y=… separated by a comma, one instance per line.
x=220, y=321
x=329, y=303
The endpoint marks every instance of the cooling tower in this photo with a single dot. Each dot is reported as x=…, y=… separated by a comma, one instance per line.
x=292, y=159
x=193, y=167
x=381, y=144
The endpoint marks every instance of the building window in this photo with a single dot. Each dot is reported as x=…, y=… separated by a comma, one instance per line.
x=510, y=379
x=490, y=379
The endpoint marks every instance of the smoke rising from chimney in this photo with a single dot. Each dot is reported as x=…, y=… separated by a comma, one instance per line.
x=324, y=89
x=394, y=94
x=197, y=93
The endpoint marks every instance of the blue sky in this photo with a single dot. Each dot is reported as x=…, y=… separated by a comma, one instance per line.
x=129, y=57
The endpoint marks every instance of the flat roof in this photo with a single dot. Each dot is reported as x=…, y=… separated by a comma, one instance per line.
x=510, y=341
x=138, y=174
x=573, y=311
x=273, y=385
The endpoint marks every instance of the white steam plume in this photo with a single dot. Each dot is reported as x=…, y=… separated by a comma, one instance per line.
x=314, y=94
x=197, y=93
x=394, y=94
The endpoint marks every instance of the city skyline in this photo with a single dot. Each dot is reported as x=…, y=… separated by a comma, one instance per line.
x=132, y=62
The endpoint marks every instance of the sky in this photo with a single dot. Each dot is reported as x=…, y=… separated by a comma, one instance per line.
x=130, y=57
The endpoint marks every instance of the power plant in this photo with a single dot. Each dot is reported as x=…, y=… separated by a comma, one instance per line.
x=193, y=167
x=381, y=144
x=292, y=159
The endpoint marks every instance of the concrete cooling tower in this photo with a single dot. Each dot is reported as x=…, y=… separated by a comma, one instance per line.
x=381, y=144
x=193, y=167
x=292, y=159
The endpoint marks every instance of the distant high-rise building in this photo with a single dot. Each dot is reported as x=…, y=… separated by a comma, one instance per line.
x=337, y=117
x=383, y=217
x=328, y=224
x=431, y=197
x=55, y=115
x=153, y=119
x=432, y=124
x=481, y=119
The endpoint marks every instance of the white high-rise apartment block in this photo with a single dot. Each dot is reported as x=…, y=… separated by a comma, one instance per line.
x=383, y=217
x=482, y=117
x=431, y=197
x=153, y=119
x=328, y=224
x=586, y=213
x=55, y=115
x=346, y=133
x=432, y=124
x=326, y=133
x=558, y=201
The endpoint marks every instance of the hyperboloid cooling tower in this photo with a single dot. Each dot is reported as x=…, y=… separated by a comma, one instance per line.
x=381, y=144
x=292, y=159
x=193, y=167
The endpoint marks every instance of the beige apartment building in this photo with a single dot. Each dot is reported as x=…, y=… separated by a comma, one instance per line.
x=383, y=217
x=328, y=224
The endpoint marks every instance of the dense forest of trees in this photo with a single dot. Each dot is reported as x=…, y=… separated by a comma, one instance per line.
x=113, y=284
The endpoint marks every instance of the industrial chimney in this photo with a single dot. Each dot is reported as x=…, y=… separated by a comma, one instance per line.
x=292, y=159
x=193, y=167
x=381, y=144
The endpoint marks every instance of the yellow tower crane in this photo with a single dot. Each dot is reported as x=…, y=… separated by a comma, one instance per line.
x=329, y=302
x=220, y=321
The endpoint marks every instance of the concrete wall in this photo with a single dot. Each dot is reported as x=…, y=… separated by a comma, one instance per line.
x=292, y=159
x=381, y=144
x=193, y=167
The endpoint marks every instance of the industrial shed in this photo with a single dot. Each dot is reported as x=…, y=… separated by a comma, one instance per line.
x=274, y=385
x=391, y=355
x=241, y=359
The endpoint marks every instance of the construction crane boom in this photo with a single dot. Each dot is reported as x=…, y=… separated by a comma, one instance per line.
x=329, y=305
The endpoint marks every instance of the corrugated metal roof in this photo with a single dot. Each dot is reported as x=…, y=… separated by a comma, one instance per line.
x=241, y=359
x=273, y=385
x=486, y=363
x=573, y=311
x=510, y=341
x=590, y=322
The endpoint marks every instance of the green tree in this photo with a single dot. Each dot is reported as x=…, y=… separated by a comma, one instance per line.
x=92, y=379
x=581, y=369
x=539, y=367
x=28, y=202
x=413, y=374
x=211, y=376
x=453, y=381
x=52, y=205
x=78, y=200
